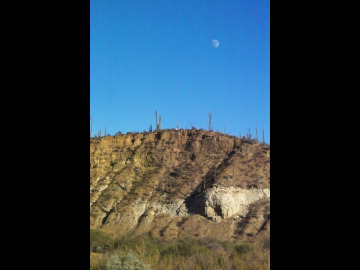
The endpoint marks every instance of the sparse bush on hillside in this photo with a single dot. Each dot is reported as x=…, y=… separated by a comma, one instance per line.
x=99, y=241
x=127, y=262
x=244, y=249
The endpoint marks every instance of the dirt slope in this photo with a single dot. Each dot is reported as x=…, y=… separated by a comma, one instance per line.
x=176, y=184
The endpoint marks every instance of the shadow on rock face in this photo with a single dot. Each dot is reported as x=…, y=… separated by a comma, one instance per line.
x=196, y=204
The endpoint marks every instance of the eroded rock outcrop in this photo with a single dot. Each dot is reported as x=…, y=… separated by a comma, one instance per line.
x=172, y=184
x=232, y=201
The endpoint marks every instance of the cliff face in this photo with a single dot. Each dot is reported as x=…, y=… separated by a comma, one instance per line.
x=183, y=183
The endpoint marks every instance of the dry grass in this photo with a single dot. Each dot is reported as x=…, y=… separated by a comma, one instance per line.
x=181, y=254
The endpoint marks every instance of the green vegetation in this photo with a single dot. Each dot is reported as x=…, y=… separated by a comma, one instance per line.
x=144, y=252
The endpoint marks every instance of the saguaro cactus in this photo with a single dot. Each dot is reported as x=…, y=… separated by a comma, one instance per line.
x=210, y=117
x=158, y=124
x=91, y=126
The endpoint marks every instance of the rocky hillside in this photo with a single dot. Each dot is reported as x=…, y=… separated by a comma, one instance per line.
x=176, y=184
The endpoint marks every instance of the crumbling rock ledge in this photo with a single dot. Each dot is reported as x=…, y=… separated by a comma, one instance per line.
x=230, y=201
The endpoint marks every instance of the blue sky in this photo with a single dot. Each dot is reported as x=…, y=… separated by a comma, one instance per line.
x=158, y=55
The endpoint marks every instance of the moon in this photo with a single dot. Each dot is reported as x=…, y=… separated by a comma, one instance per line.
x=215, y=43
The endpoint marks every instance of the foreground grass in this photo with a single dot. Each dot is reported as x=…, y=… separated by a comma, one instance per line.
x=182, y=254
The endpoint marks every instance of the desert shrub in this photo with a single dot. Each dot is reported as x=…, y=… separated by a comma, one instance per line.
x=244, y=248
x=100, y=241
x=127, y=262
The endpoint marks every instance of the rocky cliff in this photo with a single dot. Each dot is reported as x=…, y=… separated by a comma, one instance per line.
x=175, y=184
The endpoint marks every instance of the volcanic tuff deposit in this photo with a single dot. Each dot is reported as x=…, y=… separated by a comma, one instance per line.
x=175, y=184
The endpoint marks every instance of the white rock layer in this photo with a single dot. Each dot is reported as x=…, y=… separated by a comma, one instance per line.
x=231, y=201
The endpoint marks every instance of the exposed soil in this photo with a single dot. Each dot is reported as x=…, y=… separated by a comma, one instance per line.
x=157, y=183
